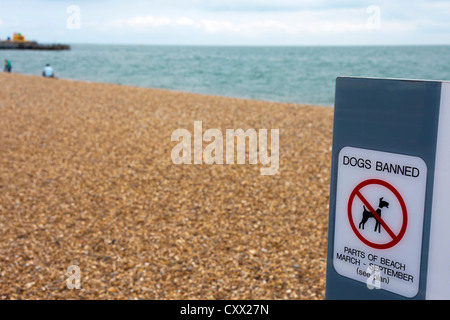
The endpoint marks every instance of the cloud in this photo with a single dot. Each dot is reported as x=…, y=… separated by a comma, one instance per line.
x=305, y=22
x=140, y=22
x=235, y=21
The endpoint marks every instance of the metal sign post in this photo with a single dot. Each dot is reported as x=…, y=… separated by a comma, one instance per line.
x=389, y=180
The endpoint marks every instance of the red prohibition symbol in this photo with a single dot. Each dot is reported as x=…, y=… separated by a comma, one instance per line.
x=395, y=237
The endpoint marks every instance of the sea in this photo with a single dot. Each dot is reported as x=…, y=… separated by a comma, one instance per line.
x=304, y=75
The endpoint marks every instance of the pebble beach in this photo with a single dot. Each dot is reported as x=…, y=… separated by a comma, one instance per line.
x=87, y=179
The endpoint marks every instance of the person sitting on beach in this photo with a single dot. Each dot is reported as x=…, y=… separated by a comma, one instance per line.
x=48, y=71
x=8, y=66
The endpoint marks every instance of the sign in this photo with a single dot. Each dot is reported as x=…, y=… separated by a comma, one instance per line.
x=388, y=234
x=376, y=214
x=379, y=218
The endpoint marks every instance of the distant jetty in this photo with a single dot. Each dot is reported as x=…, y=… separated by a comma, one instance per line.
x=18, y=42
x=32, y=45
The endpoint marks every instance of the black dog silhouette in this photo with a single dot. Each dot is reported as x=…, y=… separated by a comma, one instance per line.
x=367, y=215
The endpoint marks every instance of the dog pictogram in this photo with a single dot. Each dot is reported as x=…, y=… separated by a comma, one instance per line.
x=400, y=214
x=367, y=215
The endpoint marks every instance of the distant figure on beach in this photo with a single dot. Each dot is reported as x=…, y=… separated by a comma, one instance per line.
x=8, y=66
x=48, y=71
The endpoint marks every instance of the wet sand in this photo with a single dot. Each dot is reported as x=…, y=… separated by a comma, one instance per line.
x=87, y=179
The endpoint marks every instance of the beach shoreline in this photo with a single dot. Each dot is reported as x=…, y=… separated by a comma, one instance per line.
x=86, y=179
x=181, y=91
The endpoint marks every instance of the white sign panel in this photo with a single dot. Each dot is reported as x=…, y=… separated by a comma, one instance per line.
x=380, y=204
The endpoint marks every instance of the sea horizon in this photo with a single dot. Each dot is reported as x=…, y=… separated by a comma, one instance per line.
x=247, y=45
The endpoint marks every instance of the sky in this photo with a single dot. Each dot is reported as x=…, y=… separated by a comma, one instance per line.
x=229, y=22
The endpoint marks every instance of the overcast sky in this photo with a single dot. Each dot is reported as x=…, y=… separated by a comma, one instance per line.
x=229, y=22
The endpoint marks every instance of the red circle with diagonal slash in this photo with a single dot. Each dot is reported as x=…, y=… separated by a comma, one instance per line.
x=395, y=237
